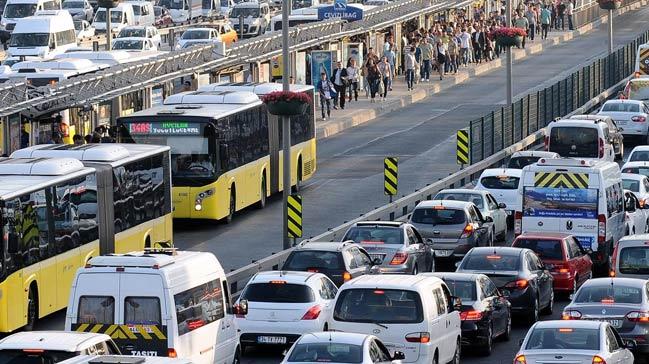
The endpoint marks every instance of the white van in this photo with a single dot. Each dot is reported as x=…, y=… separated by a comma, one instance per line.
x=580, y=139
x=631, y=257
x=574, y=196
x=142, y=12
x=18, y=9
x=415, y=315
x=120, y=16
x=113, y=359
x=54, y=346
x=184, y=10
x=642, y=60
x=43, y=35
x=164, y=303
x=256, y=17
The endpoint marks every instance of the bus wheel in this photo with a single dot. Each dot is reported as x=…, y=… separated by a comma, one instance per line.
x=32, y=309
x=298, y=183
x=232, y=207
x=262, y=193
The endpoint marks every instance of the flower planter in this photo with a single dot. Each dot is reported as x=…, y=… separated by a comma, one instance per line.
x=509, y=41
x=609, y=5
x=287, y=108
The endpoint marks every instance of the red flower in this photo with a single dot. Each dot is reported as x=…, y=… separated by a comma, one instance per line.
x=508, y=32
x=276, y=96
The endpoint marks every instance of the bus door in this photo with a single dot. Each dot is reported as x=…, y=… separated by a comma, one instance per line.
x=274, y=148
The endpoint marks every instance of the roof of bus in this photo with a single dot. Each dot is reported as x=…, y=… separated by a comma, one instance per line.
x=112, y=153
x=211, y=111
x=257, y=88
x=202, y=97
x=69, y=64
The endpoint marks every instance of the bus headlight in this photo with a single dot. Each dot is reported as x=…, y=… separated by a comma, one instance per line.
x=198, y=206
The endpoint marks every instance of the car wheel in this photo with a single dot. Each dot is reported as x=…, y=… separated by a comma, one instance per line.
x=548, y=310
x=508, y=330
x=533, y=316
x=488, y=345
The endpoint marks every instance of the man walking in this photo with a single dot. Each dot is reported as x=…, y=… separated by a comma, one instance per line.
x=410, y=64
x=522, y=23
x=530, y=14
x=339, y=78
x=465, y=39
x=546, y=17
x=426, y=57
x=569, y=9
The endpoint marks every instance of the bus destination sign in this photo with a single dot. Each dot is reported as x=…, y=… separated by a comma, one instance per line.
x=165, y=128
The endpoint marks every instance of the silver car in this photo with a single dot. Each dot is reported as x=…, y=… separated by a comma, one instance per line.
x=571, y=342
x=396, y=246
x=622, y=302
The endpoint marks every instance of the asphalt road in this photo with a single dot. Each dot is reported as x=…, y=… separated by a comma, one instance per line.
x=349, y=178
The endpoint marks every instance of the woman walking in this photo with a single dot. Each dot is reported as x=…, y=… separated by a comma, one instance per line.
x=386, y=74
x=440, y=53
x=373, y=79
x=353, y=75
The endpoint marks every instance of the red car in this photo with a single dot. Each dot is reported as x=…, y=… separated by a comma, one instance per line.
x=567, y=261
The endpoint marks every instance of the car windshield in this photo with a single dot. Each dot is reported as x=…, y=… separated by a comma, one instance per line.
x=438, y=216
x=46, y=357
x=621, y=107
x=375, y=235
x=549, y=249
x=115, y=16
x=572, y=141
x=29, y=40
x=637, y=170
x=19, y=10
x=639, y=156
x=171, y=4
x=383, y=306
x=132, y=32
x=127, y=44
x=476, y=198
x=639, y=90
x=563, y=339
x=196, y=34
x=520, y=162
x=245, y=12
x=491, y=262
x=634, y=260
x=609, y=293
x=326, y=352
x=500, y=182
x=72, y=5
x=301, y=260
x=78, y=24
x=466, y=290
x=631, y=185
x=278, y=292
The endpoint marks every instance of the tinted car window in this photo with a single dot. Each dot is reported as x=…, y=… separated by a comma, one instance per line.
x=631, y=185
x=492, y=262
x=467, y=197
x=574, y=142
x=278, y=293
x=500, y=182
x=438, y=216
x=377, y=305
x=555, y=338
x=639, y=156
x=633, y=260
x=304, y=259
x=327, y=352
x=520, y=162
x=375, y=234
x=613, y=294
x=466, y=290
x=546, y=249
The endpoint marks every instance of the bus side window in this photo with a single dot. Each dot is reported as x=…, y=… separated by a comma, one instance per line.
x=12, y=219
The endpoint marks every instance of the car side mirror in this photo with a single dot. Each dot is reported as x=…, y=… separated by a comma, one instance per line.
x=457, y=303
x=377, y=261
x=429, y=241
x=502, y=206
x=629, y=344
x=241, y=308
x=398, y=355
x=571, y=296
x=488, y=219
x=457, y=264
x=620, y=129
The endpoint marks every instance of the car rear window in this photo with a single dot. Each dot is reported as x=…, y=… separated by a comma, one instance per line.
x=544, y=248
x=637, y=170
x=491, y=262
x=326, y=352
x=466, y=290
x=278, y=292
x=46, y=357
x=639, y=156
x=572, y=141
x=142, y=311
x=634, y=260
x=467, y=197
x=96, y=310
x=563, y=339
x=520, y=162
x=434, y=216
x=375, y=234
x=609, y=294
x=500, y=182
x=305, y=259
x=384, y=306
x=631, y=185
x=621, y=107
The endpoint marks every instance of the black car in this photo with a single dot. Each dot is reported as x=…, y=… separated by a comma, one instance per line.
x=518, y=273
x=486, y=313
x=338, y=261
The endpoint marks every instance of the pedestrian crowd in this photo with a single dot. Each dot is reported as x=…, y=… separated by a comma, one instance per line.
x=442, y=49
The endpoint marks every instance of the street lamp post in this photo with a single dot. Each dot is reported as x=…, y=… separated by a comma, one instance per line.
x=509, y=58
x=286, y=127
x=610, y=31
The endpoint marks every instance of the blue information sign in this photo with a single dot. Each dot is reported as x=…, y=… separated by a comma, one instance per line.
x=340, y=10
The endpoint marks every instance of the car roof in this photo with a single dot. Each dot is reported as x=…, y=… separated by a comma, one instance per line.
x=633, y=282
x=634, y=176
x=324, y=246
x=463, y=190
x=287, y=276
x=456, y=276
x=640, y=148
x=500, y=250
x=511, y=172
x=543, y=236
x=389, y=281
x=381, y=223
x=52, y=340
x=623, y=101
x=534, y=153
x=575, y=122
x=636, y=238
x=454, y=204
x=577, y=324
x=334, y=337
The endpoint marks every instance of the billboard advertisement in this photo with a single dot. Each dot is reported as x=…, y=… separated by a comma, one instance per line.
x=560, y=202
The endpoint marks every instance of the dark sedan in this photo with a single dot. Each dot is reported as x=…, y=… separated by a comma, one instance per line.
x=486, y=313
x=518, y=273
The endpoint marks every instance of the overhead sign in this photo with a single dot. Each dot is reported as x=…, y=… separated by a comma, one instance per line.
x=165, y=128
x=340, y=11
x=340, y=4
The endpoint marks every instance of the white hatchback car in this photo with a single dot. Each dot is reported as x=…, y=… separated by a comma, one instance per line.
x=276, y=307
x=632, y=116
x=53, y=346
x=340, y=347
x=502, y=183
x=573, y=341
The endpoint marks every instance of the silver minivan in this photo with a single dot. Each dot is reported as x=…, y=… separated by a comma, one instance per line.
x=631, y=257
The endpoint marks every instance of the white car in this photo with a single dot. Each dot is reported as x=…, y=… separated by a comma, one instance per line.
x=276, y=307
x=134, y=44
x=79, y=9
x=198, y=36
x=573, y=341
x=632, y=116
x=636, y=218
x=638, y=184
x=502, y=183
x=54, y=346
x=141, y=31
x=638, y=154
x=523, y=158
x=340, y=347
x=83, y=29
x=638, y=167
x=486, y=203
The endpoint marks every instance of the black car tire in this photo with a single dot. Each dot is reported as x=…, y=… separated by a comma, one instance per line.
x=550, y=307
x=533, y=316
x=487, y=347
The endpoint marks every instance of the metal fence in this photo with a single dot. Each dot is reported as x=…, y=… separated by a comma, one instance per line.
x=504, y=126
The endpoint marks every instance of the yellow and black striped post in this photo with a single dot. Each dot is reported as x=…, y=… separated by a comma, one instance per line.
x=463, y=149
x=294, y=216
x=390, y=176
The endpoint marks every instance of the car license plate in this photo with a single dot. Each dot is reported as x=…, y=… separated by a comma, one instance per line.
x=615, y=323
x=271, y=339
x=443, y=253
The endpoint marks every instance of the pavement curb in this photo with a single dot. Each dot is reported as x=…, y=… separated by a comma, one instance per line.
x=365, y=115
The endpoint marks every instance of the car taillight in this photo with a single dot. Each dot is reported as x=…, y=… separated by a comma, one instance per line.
x=347, y=277
x=601, y=148
x=520, y=359
x=561, y=268
x=418, y=337
x=312, y=313
x=638, y=119
x=518, y=222
x=471, y=315
x=571, y=315
x=518, y=284
x=171, y=352
x=601, y=228
x=468, y=231
x=546, y=143
x=399, y=258
x=638, y=316
x=598, y=360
